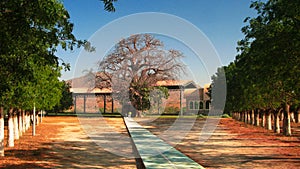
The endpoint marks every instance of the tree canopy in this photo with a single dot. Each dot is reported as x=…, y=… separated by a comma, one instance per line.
x=266, y=72
x=135, y=65
x=30, y=34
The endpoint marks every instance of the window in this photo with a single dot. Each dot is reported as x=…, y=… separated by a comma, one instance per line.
x=196, y=105
x=201, y=106
x=207, y=104
x=191, y=105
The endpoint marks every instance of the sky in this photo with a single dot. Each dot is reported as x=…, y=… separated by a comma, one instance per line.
x=220, y=22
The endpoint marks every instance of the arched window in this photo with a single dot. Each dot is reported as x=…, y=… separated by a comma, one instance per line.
x=191, y=105
x=196, y=105
x=201, y=105
x=207, y=104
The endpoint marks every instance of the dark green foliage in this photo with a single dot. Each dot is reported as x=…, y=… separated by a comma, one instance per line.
x=66, y=101
x=109, y=5
x=266, y=73
x=171, y=110
x=30, y=33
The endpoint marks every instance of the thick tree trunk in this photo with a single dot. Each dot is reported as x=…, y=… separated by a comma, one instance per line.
x=263, y=119
x=16, y=126
x=268, y=120
x=256, y=123
x=1, y=132
x=10, y=137
x=277, y=121
x=287, y=121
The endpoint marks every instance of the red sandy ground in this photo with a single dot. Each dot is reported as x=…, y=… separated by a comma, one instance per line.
x=237, y=145
x=61, y=143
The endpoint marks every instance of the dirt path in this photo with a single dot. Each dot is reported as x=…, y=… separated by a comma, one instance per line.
x=62, y=143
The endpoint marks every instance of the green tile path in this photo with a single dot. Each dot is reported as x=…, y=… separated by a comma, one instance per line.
x=154, y=152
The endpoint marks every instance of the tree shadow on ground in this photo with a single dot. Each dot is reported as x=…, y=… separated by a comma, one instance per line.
x=68, y=154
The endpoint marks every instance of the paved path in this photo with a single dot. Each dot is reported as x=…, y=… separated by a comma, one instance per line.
x=154, y=152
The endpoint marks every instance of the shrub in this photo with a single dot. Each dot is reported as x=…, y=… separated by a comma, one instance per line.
x=201, y=116
x=225, y=116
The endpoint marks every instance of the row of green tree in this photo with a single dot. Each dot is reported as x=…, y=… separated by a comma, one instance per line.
x=31, y=32
x=264, y=79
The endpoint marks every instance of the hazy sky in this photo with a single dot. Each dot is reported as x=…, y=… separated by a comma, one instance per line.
x=219, y=20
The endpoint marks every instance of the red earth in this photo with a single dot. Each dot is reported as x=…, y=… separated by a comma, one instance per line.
x=60, y=142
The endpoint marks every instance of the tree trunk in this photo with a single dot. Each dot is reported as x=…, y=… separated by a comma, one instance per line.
x=276, y=121
x=243, y=117
x=297, y=116
x=138, y=113
x=16, y=127
x=292, y=117
x=20, y=121
x=33, y=121
x=248, y=117
x=1, y=132
x=252, y=117
x=256, y=118
x=287, y=121
x=269, y=120
x=282, y=116
x=240, y=116
x=263, y=119
x=37, y=118
x=237, y=115
x=27, y=120
x=10, y=130
x=23, y=121
x=42, y=113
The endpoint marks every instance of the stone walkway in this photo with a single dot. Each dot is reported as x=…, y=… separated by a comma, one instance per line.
x=154, y=152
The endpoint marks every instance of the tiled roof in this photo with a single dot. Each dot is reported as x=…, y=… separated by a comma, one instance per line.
x=88, y=90
x=179, y=83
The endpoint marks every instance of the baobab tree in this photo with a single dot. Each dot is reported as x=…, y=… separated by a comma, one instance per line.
x=135, y=65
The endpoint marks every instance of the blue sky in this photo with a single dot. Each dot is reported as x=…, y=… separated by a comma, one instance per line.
x=220, y=20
